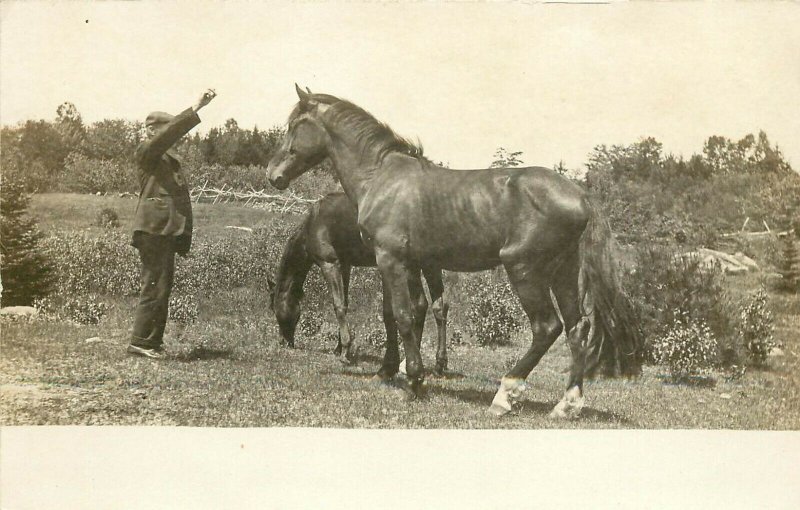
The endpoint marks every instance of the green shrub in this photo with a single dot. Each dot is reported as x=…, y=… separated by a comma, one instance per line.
x=26, y=268
x=310, y=324
x=101, y=264
x=688, y=347
x=376, y=338
x=183, y=308
x=789, y=265
x=86, y=309
x=107, y=218
x=106, y=263
x=87, y=175
x=666, y=289
x=490, y=316
x=756, y=328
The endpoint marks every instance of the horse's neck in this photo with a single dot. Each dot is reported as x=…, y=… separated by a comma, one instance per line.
x=294, y=265
x=354, y=166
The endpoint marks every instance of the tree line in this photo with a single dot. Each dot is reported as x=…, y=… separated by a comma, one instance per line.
x=66, y=154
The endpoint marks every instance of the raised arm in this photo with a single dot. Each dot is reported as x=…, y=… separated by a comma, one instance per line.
x=151, y=150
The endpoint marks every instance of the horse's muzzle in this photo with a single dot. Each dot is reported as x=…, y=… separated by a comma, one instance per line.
x=279, y=182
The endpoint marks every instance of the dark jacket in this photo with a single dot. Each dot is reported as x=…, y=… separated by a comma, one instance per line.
x=164, y=206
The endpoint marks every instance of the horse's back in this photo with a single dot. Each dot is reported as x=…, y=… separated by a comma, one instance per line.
x=334, y=234
x=464, y=219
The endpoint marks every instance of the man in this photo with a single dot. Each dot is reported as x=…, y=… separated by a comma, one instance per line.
x=162, y=224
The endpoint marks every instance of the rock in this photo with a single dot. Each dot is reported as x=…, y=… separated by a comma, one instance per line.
x=746, y=261
x=726, y=396
x=776, y=351
x=729, y=264
x=19, y=311
x=93, y=340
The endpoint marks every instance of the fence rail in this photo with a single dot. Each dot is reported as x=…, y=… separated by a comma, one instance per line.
x=283, y=203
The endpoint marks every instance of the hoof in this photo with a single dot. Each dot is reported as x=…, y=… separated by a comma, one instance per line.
x=349, y=359
x=381, y=381
x=509, y=392
x=498, y=410
x=415, y=389
x=567, y=410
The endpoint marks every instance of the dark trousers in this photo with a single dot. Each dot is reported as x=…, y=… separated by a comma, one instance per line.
x=158, y=271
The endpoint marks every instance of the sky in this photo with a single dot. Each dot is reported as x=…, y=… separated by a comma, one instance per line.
x=552, y=81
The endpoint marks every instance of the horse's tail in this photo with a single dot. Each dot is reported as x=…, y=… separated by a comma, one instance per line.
x=615, y=344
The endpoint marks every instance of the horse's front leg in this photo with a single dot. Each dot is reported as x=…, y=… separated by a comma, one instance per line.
x=332, y=273
x=404, y=286
x=420, y=303
x=440, y=308
x=391, y=357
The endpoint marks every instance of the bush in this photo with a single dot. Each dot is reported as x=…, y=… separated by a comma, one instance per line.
x=490, y=317
x=26, y=268
x=376, y=338
x=107, y=218
x=183, y=309
x=789, y=266
x=667, y=290
x=87, y=175
x=310, y=323
x=82, y=309
x=102, y=264
x=106, y=263
x=688, y=347
x=756, y=328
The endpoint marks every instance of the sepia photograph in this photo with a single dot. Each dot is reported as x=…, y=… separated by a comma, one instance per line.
x=379, y=254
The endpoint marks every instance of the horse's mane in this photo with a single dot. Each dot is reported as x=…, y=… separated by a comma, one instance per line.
x=373, y=133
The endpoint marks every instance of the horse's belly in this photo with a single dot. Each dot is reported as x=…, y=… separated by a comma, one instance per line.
x=457, y=253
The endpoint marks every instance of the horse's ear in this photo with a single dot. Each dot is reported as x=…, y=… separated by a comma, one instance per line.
x=305, y=97
x=308, y=90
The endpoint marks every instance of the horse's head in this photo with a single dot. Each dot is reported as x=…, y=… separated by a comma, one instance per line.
x=287, y=312
x=304, y=146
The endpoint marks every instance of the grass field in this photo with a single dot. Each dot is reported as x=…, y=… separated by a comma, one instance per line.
x=229, y=370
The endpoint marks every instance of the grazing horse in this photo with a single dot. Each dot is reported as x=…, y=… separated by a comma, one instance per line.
x=553, y=244
x=329, y=238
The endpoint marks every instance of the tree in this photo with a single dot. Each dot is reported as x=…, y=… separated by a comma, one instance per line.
x=789, y=265
x=40, y=141
x=26, y=272
x=506, y=159
x=70, y=124
x=113, y=139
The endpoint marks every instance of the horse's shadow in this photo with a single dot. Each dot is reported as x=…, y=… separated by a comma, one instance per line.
x=484, y=398
x=203, y=354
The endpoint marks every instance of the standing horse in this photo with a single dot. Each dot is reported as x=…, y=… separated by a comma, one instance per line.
x=539, y=225
x=329, y=238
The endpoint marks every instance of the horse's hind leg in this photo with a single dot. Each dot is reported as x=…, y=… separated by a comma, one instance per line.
x=578, y=310
x=579, y=327
x=333, y=275
x=345, y=270
x=531, y=284
x=440, y=308
x=572, y=403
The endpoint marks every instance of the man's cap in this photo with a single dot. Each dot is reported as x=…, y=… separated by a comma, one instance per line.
x=155, y=118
